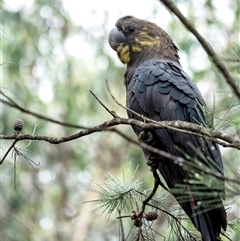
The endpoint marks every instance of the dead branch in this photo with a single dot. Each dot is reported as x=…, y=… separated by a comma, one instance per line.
x=186, y=127
x=218, y=137
x=206, y=46
x=105, y=126
x=157, y=182
x=13, y=104
x=146, y=124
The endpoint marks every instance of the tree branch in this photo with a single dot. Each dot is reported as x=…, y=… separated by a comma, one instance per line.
x=105, y=126
x=186, y=127
x=9, y=149
x=13, y=104
x=112, y=113
x=218, y=137
x=175, y=219
x=157, y=182
x=206, y=46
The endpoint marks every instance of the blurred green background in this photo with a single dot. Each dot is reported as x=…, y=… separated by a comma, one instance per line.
x=53, y=53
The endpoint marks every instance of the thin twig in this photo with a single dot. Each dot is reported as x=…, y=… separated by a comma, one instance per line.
x=7, y=97
x=11, y=103
x=124, y=216
x=112, y=113
x=167, y=213
x=9, y=149
x=206, y=46
x=157, y=182
x=178, y=160
x=124, y=107
x=223, y=234
x=121, y=227
x=175, y=219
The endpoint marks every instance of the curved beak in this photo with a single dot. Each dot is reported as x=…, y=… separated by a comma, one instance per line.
x=115, y=38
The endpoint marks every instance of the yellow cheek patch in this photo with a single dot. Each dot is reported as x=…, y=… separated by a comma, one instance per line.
x=119, y=48
x=147, y=40
x=123, y=53
x=143, y=33
x=146, y=43
x=136, y=49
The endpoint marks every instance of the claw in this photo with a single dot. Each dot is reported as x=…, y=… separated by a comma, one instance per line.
x=145, y=136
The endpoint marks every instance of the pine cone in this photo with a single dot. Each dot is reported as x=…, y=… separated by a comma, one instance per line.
x=150, y=216
x=18, y=125
x=134, y=215
x=138, y=222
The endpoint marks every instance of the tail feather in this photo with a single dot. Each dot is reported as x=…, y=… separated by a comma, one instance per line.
x=208, y=223
x=203, y=225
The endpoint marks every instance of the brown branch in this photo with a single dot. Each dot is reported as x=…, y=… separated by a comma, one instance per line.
x=9, y=149
x=182, y=161
x=197, y=130
x=175, y=219
x=124, y=107
x=181, y=126
x=121, y=227
x=186, y=127
x=13, y=104
x=206, y=46
x=176, y=159
x=112, y=113
x=157, y=182
x=167, y=213
x=218, y=137
x=225, y=140
x=116, y=121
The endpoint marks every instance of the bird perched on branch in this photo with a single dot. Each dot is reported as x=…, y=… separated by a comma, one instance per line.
x=158, y=88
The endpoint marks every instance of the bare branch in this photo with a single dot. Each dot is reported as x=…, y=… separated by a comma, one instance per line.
x=116, y=121
x=175, y=219
x=165, y=212
x=112, y=113
x=13, y=104
x=124, y=107
x=185, y=127
x=157, y=182
x=218, y=137
x=206, y=46
x=9, y=149
x=182, y=161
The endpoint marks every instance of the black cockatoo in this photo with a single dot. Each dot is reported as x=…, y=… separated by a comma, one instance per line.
x=158, y=88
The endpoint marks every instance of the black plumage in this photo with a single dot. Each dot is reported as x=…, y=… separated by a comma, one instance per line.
x=158, y=88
